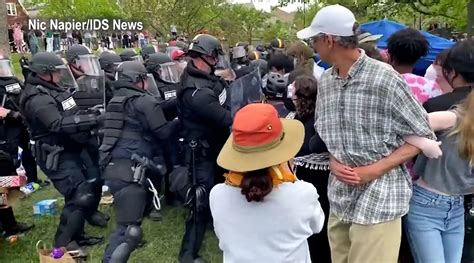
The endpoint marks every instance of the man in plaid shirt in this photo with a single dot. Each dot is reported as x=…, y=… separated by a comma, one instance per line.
x=364, y=108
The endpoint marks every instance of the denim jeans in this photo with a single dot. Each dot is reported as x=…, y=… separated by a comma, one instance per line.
x=435, y=227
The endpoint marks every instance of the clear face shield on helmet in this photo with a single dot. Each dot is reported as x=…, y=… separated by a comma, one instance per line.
x=6, y=68
x=150, y=85
x=137, y=58
x=238, y=52
x=170, y=72
x=89, y=65
x=63, y=77
x=223, y=68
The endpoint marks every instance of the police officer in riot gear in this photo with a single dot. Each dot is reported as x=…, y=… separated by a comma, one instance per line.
x=59, y=130
x=15, y=132
x=166, y=74
x=147, y=51
x=130, y=55
x=108, y=63
x=134, y=121
x=89, y=95
x=205, y=118
x=12, y=133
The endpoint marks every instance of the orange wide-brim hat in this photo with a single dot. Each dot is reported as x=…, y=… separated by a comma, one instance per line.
x=260, y=139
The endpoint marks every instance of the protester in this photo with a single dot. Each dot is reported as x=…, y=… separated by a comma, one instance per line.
x=368, y=43
x=311, y=162
x=435, y=223
x=363, y=109
x=405, y=48
x=460, y=61
x=302, y=58
x=435, y=73
x=262, y=213
x=18, y=38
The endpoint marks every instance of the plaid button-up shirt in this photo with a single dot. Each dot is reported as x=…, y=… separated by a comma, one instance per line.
x=362, y=120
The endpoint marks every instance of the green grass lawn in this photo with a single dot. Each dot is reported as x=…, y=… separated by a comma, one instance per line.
x=163, y=238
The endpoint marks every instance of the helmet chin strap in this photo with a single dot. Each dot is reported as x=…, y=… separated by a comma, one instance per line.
x=212, y=67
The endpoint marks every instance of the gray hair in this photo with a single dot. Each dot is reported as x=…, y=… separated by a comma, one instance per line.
x=347, y=42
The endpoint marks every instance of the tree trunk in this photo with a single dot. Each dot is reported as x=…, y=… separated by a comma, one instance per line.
x=4, y=41
x=470, y=18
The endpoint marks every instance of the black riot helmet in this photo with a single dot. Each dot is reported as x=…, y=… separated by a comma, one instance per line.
x=109, y=61
x=47, y=63
x=275, y=85
x=82, y=62
x=130, y=55
x=134, y=72
x=72, y=54
x=205, y=44
x=162, y=66
x=155, y=60
x=147, y=51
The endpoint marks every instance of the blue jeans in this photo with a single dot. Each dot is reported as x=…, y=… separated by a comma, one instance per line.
x=435, y=227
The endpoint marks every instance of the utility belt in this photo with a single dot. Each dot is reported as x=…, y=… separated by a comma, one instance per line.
x=46, y=153
x=134, y=170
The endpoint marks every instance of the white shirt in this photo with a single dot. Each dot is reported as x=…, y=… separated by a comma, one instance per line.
x=273, y=231
x=318, y=70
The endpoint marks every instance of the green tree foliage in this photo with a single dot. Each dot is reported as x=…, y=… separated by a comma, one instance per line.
x=454, y=12
x=79, y=9
x=240, y=22
x=189, y=16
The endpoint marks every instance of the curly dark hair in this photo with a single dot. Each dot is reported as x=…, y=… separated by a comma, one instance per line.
x=306, y=91
x=407, y=46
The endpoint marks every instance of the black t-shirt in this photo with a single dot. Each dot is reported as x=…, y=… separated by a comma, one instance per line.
x=448, y=100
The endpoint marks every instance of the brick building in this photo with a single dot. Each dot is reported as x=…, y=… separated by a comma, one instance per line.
x=16, y=12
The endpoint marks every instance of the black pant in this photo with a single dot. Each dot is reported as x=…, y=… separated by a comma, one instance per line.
x=90, y=160
x=27, y=159
x=318, y=243
x=129, y=206
x=70, y=181
x=206, y=168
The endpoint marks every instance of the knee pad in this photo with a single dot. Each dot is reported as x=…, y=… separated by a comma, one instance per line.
x=84, y=197
x=133, y=236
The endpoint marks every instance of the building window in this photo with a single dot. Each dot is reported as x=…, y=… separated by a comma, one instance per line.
x=11, y=9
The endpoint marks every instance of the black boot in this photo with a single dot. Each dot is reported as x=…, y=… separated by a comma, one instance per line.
x=98, y=219
x=155, y=215
x=9, y=225
x=86, y=240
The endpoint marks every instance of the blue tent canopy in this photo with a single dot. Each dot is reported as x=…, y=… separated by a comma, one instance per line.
x=387, y=28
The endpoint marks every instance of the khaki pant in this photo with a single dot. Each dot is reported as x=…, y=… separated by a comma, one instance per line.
x=352, y=243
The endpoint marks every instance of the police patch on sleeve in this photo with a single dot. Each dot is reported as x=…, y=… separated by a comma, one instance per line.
x=68, y=104
x=14, y=88
x=223, y=97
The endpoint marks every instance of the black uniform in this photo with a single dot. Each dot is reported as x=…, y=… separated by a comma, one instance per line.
x=88, y=97
x=59, y=133
x=13, y=133
x=205, y=118
x=134, y=121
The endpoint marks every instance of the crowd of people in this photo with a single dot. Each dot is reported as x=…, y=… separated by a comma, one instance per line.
x=347, y=156
x=23, y=40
